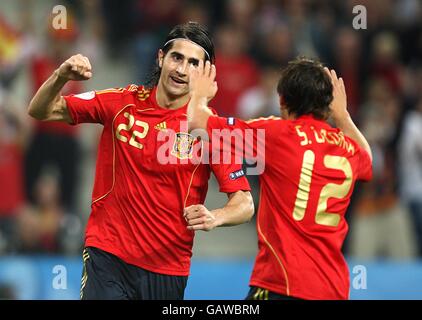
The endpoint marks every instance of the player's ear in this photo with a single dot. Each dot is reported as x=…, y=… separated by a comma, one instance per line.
x=160, y=58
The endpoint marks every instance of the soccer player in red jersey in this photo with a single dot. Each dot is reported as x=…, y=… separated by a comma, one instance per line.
x=150, y=174
x=310, y=172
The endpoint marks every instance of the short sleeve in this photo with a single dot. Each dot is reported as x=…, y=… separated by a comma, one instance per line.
x=93, y=106
x=365, y=166
x=231, y=177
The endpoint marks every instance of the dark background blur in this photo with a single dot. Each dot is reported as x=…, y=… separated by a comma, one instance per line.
x=47, y=170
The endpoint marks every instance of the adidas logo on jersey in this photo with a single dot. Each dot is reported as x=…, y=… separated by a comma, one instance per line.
x=161, y=126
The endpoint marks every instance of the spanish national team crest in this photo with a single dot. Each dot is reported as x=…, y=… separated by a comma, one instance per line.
x=183, y=146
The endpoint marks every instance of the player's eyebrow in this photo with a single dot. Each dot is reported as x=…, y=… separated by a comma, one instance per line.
x=177, y=55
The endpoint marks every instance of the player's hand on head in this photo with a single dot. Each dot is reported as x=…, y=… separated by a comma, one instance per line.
x=76, y=68
x=338, y=106
x=198, y=217
x=202, y=82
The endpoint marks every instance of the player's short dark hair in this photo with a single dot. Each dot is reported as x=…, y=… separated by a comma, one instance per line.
x=192, y=31
x=306, y=88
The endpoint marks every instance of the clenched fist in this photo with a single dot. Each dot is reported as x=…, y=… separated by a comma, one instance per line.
x=199, y=217
x=77, y=68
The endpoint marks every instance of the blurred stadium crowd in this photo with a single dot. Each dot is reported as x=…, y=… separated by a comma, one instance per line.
x=42, y=164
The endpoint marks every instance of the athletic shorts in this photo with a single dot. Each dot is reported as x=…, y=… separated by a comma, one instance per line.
x=107, y=277
x=256, y=293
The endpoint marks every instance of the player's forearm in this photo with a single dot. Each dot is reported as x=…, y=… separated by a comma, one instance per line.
x=346, y=124
x=198, y=113
x=47, y=95
x=239, y=209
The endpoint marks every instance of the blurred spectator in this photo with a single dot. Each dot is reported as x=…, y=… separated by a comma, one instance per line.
x=276, y=47
x=195, y=11
x=267, y=17
x=348, y=63
x=39, y=226
x=120, y=18
x=13, y=135
x=261, y=100
x=380, y=227
x=410, y=166
x=240, y=14
x=322, y=29
x=409, y=15
x=237, y=71
x=10, y=45
x=54, y=143
x=385, y=61
x=153, y=21
x=300, y=26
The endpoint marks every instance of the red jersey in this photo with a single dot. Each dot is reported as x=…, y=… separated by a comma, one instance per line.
x=147, y=171
x=310, y=172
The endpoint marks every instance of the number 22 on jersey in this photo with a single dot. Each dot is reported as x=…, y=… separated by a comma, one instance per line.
x=135, y=134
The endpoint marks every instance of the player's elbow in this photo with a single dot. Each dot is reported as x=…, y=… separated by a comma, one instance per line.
x=32, y=111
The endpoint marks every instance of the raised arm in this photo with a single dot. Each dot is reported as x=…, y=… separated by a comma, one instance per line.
x=341, y=116
x=48, y=104
x=202, y=88
x=238, y=209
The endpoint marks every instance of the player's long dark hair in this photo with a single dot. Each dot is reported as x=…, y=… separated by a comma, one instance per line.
x=192, y=31
x=306, y=88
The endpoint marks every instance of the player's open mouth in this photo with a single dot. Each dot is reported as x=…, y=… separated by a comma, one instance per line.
x=177, y=80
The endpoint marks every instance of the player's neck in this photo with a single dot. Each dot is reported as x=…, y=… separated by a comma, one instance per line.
x=166, y=101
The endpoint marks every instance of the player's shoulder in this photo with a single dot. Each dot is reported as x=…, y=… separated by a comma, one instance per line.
x=265, y=121
x=131, y=89
x=274, y=126
x=140, y=92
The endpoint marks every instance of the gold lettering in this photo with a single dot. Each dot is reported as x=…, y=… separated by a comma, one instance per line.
x=335, y=137
x=125, y=127
x=333, y=190
x=351, y=148
x=304, y=185
x=324, y=134
x=302, y=134
x=319, y=139
x=135, y=134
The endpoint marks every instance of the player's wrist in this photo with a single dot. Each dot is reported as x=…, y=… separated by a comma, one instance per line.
x=199, y=99
x=60, y=78
x=219, y=217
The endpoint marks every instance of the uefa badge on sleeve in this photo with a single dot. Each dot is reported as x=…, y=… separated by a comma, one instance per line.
x=237, y=174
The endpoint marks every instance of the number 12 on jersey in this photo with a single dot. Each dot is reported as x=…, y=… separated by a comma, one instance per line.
x=330, y=190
